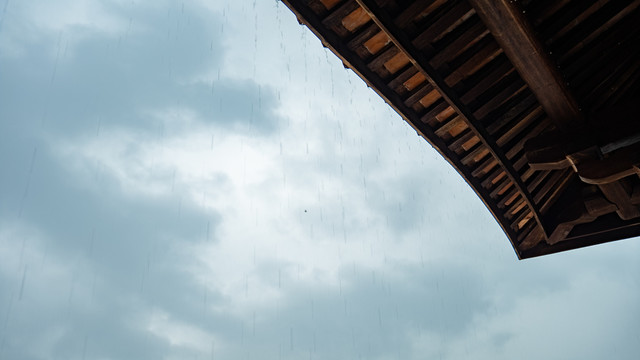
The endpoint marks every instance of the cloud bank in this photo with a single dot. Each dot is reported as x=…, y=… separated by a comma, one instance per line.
x=204, y=180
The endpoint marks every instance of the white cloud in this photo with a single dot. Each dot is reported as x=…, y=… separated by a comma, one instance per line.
x=59, y=24
x=342, y=187
x=565, y=323
x=90, y=15
x=314, y=198
x=297, y=200
x=180, y=334
x=28, y=264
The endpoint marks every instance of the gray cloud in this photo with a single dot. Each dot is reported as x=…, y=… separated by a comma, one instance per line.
x=95, y=270
x=162, y=60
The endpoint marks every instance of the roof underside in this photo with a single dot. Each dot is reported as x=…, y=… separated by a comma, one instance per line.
x=534, y=103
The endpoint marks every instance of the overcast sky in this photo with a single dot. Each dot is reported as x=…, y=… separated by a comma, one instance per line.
x=203, y=180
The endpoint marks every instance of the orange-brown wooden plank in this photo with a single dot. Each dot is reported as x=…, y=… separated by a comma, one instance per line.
x=493, y=178
x=470, y=37
x=485, y=167
x=424, y=40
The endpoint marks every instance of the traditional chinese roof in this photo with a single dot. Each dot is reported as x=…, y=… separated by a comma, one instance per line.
x=535, y=103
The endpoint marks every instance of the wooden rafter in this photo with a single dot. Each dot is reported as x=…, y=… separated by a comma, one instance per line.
x=379, y=16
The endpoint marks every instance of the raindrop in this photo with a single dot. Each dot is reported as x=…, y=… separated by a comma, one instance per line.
x=24, y=278
x=91, y=241
x=26, y=189
x=213, y=350
x=84, y=347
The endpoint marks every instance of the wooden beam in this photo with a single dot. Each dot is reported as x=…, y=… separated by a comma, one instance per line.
x=580, y=212
x=617, y=194
x=608, y=228
x=514, y=33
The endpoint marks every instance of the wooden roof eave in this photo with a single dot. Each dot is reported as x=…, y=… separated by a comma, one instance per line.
x=379, y=16
x=525, y=143
x=351, y=60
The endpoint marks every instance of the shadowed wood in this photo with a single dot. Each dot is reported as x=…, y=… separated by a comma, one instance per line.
x=516, y=37
x=580, y=213
x=615, y=193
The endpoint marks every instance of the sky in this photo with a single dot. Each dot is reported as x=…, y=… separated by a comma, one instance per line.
x=203, y=180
